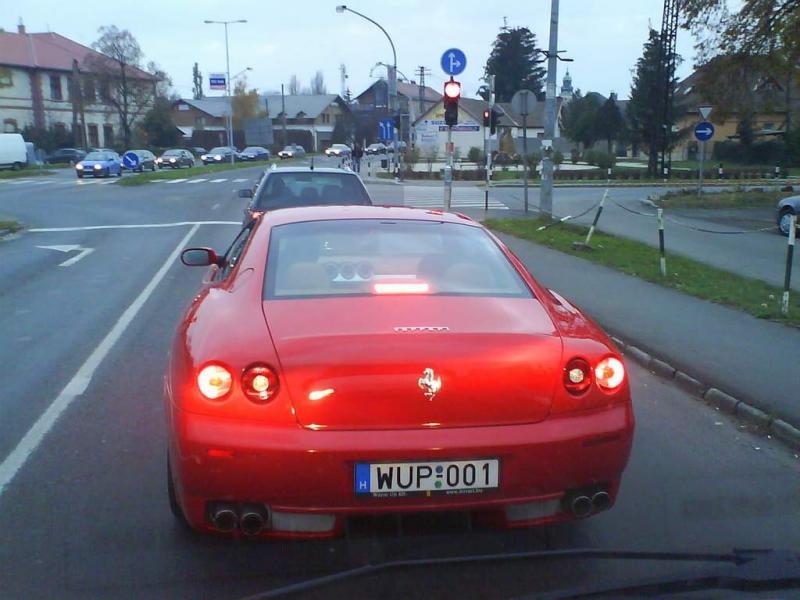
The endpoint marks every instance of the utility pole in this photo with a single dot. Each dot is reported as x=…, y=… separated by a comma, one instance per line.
x=546, y=203
x=488, y=143
x=283, y=116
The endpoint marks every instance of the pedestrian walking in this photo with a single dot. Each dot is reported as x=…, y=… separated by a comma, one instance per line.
x=358, y=152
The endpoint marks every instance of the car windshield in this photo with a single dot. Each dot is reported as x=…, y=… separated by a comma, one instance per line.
x=288, y=149
x=219, y=150
x=311, y=188
x=173, y=153
x=98, y=156
x=356, y=257
x=253, y=149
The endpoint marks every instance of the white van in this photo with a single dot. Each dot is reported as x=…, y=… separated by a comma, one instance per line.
x=13, y=152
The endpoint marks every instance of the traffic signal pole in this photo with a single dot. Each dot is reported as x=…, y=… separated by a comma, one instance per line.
x=448, y=170
x=546, y=203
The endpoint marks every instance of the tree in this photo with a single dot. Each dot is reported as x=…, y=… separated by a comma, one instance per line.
x=647, y=91
x=245, y=103
x=341, y=132
x=158, y=127
x=609, y=123
x=580, y=119
x=514, y=63
x=197, y=82
x=318, y=84
x=294, y=85
x=123, y=83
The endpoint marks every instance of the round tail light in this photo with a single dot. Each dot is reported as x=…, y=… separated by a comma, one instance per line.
x=610, y=373
x=577, y=376
x=214, y=381
x=260, y=383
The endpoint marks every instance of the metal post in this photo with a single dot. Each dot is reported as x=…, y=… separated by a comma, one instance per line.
x=702, y=166
x=230, y=99
x=546, y=203
x=663, y=258
x=596, y=218
x=448, y=170
x=486, y=164
x=283, y=116
x=525, y=160
x=787, y=280
x=488, y=142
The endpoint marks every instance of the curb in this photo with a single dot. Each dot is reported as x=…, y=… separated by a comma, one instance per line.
x=752, y=415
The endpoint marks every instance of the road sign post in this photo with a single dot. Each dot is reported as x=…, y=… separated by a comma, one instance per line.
x=787, y=280
x=703, y=131
x=523, y=102
x=448, y=171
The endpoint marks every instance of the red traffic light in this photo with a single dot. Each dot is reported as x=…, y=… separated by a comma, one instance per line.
x=452, y=90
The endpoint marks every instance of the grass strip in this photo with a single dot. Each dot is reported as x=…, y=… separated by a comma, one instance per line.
x=142, y=178
x=34, y=172
x=10, y=226
x=734, y=199
x=753, y=296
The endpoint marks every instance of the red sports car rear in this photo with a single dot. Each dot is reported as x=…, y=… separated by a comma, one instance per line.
x=356, y=360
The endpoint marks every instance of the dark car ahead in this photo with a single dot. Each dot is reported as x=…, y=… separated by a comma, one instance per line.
x=147, y=161
x=219, y=155
x=292, y=151
x=65, y=155
x=253, y=153
x=175, y=159
x=287, y=187
x=375, y=149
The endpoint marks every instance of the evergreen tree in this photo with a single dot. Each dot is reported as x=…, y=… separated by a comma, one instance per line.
x=514, y=62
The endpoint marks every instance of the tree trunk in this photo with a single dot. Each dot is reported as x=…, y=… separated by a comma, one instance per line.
x=652, y=160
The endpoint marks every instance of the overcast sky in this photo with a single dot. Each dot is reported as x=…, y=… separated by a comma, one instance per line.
x=283, y=37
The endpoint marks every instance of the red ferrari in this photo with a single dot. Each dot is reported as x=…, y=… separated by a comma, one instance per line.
x=357, y=360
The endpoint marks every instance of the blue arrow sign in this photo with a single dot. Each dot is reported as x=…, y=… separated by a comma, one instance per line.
x=454, y=61
x=130, y=160
x=704, y=131
x=386, y=129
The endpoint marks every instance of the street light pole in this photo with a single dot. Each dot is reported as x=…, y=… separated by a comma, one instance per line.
x=228, y=81
x=392, y=74
x=546, y=203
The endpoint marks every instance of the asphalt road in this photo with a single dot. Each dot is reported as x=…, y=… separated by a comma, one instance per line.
x=84, y=513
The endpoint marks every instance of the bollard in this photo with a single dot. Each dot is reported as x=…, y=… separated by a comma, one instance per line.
x=777, y=172
x=663, y=258
x=596, y=218
x=787, y=280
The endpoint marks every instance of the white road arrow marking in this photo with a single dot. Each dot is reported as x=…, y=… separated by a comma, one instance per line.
x=84, y=252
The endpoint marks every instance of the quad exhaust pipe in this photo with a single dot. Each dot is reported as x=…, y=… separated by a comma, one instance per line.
x=253, y=520
x=250, y=519
x=600, y=501
x=224, y=517
x=582, y=504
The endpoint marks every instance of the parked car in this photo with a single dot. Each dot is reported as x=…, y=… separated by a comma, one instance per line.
x=147, y=161
x=65, y=155
x=339, y=151
x=292, y=151
x=400, y=145
x=375, y=149
x=99, y=164
x=252, y=153
x=13, y=153
x=315, y=312
x=286, y=187
x=786, y=208
x=219, y=155
x=175, y=159
x=198, y=150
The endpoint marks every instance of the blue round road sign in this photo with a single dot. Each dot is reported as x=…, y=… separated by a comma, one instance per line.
x=454, y=61
x=704, y=131
x=130, y=160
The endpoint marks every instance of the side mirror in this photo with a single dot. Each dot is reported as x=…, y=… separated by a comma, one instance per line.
x=246, y=193
x=199, y=257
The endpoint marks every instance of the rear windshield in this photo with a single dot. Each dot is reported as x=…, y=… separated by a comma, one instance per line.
x=366, y=257
x=286, y=190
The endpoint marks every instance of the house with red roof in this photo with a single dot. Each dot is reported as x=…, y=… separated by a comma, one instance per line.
x=46, y=81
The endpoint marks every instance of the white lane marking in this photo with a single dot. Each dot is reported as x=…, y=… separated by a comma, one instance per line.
x=20, y=181
x=142, y=226
x=106, y=182
x=201, y=180
x=240, y=180
x=177, y=180
x=84, y=252
x=83, y=377
x=218, y=180
x=216, y=206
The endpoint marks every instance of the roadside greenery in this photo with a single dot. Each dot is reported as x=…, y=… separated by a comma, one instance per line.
x=735, y=199
x=142, y=178
x=30, y=172
x=10, y=226
x=753, y=296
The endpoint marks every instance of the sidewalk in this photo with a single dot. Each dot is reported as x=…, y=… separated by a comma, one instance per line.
x=754, y=360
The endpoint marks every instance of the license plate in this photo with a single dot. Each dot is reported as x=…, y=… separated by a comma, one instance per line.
x=426, y=478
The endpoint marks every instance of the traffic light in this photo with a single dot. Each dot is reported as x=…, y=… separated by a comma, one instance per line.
x=452, y=92
x=493, y=119
x=487, y=118
x=396, y=122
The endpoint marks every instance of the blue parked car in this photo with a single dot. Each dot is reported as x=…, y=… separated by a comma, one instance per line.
x=254, y=153
x=101, y=163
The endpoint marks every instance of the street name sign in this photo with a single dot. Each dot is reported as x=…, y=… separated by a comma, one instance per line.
x=216, y=81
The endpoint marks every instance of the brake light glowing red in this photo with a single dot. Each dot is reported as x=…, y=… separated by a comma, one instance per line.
x=577, y=376
x=260, y=383
x=401, y=288
x=609, y=373
x=214, y=381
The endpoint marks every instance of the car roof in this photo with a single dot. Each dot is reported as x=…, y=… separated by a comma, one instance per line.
x=309, y=170
x=284, y=216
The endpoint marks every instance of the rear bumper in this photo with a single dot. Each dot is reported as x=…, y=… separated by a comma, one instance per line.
x=299, y=472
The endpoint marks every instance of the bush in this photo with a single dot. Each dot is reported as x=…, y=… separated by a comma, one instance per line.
x=475, y=155
x=558, y=158
x=411, y=156
x=574, y=156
